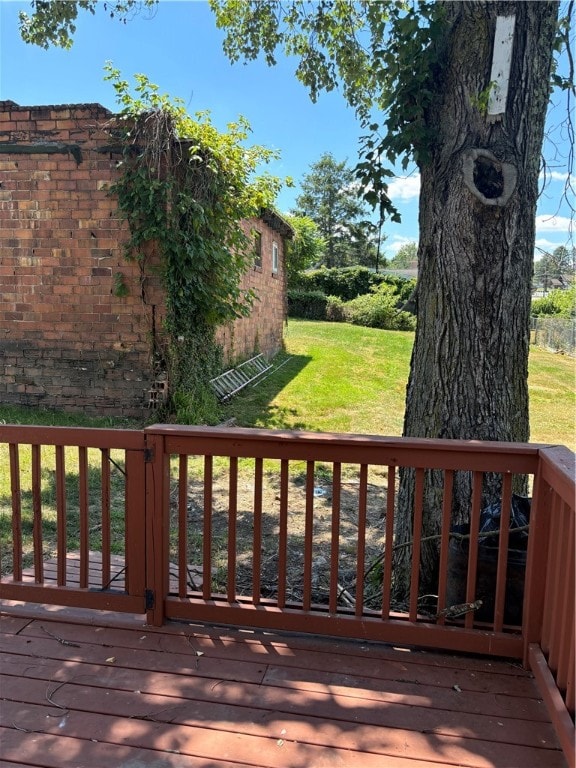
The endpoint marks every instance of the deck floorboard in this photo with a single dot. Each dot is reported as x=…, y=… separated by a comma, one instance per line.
x=91, y=695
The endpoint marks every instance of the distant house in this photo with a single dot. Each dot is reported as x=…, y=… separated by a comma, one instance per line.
x=77, y=321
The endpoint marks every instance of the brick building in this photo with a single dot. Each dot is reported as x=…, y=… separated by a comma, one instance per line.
x=77, y=321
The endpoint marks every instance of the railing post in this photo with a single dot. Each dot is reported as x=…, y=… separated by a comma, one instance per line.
x=157, y=523
x=536, y=563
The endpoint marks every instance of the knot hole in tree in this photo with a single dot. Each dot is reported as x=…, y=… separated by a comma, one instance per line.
x=489, y=180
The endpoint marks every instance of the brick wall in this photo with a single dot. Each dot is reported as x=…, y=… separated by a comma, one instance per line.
x=67, y=340
x=263, y=330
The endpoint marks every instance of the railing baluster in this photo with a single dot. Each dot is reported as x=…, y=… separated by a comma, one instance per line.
x=567, y=607
x=445, y=540
x=207, y=530
x=503, y=540
x=570, y=673
x=105, y=503
x=37, y=516
x=84, y=522
x=389, y=542
x=559, y=608
x=473, y=544
x=257, y=545
x=361, y=550
x=182, y=525
x=552, y=576
x=335, y=536
x=135, y=532
x=232, y=523
x=62, y=544
x=16, y=512
x=308, y=534
x=416, y=539
x=283, y=534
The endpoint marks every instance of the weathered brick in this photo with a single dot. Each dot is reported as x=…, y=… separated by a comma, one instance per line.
x=61, y=241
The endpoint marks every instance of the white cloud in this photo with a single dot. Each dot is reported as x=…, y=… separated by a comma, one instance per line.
x=397, y=243
x=546, y=245
x=404, y=187
x=550, y=223
x=554, y=176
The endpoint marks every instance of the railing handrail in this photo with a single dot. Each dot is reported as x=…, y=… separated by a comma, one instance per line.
x=296, y=436
x=558, y=467
x=85, y=437
x=426, y=453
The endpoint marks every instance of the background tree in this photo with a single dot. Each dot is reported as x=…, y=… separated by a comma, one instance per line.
x=306, y=249
x=555, y=266
x=366, y=241
x=406, y=255
x=330, y=198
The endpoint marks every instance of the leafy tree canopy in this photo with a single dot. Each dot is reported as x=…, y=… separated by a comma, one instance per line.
x=52, y=22
x=306, y=248
x=386, y=57
x=373, y=51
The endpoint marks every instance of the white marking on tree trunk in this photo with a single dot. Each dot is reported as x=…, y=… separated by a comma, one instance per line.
x=501, y=62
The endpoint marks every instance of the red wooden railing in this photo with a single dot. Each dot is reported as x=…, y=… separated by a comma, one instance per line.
x=159, y=523
x=42, y=567
x=295, y=606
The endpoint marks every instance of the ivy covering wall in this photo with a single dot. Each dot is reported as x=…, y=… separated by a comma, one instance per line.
x=186, y=187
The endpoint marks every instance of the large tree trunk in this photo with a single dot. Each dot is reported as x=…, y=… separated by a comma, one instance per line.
x=469, y=367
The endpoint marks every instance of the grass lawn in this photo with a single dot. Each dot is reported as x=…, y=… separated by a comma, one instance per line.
x=345, y=378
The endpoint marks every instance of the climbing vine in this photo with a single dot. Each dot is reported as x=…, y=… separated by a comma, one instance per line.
x=185, y=187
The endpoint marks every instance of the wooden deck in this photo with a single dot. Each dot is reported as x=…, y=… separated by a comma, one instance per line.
x=106, y=691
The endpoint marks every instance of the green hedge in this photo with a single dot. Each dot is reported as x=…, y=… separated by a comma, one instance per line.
x=347, y=283
x=309, y=305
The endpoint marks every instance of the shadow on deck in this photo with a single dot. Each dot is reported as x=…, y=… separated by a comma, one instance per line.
x=83, y=689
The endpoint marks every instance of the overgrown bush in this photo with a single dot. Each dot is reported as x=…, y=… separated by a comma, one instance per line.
x=561, y=303
x=379, y=310
x=335, y=309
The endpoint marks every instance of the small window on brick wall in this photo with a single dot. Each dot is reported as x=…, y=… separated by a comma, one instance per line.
x=274, y=257
x=257, y=250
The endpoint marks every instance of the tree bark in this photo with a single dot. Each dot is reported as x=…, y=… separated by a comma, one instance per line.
x=469, y=368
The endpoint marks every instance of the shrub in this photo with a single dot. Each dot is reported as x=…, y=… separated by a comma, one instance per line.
x=561, y=303
x=335, y=309
x=379, y=310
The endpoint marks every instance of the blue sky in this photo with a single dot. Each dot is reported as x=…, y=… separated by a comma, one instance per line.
x=179, y=48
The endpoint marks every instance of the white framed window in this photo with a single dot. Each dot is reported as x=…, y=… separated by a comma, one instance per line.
x=274, y=256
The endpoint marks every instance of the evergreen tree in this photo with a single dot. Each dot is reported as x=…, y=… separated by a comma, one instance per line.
x=330, y=198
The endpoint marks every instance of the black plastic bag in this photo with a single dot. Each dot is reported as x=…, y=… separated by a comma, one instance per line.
x=519, y=518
